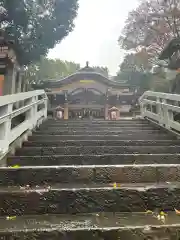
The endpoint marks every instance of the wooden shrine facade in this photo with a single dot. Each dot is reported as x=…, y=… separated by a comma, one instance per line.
x=88, y=93
x=11, y=75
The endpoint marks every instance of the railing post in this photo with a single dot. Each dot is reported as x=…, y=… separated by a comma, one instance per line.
x=35, y=109
x=31, y=115
x=5, y=130
x=160, y=111
x=45, y=106
x=167, y=115
x=142, y=108
x=44, y=110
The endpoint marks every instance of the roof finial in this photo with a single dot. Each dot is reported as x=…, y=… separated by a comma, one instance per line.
x=87, y=64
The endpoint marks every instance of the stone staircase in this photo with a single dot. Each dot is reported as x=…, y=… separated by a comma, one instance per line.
x=99, y=180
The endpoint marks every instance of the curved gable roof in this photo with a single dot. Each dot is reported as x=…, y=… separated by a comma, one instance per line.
x=82, y=74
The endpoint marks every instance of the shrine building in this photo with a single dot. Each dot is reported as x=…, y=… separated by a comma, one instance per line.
x=88, y=93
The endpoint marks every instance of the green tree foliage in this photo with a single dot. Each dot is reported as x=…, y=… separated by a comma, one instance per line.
x=136, y=62
x=135, y=70
x=36, y=25
x=151, y=26
x=160, y=84
x=47, y=69
x=103, y=70
x=137, y=80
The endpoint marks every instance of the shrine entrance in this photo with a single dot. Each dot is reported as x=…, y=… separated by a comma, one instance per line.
x=86, y=113
x=86, y=103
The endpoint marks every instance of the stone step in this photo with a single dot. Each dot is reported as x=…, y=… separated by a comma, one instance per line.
x=47, y=143
x=95, y=226
x=96, y=150
x=75, y=174
x=92, y=132
x=111, y=159
x=139, y=136
x=96, y=128
x=72, y=121
x=96, y=124
x=89, y=199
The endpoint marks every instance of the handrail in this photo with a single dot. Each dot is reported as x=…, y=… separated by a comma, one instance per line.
x=162, y=108
x=26, y=103
x=4, y=100
x=168, y=96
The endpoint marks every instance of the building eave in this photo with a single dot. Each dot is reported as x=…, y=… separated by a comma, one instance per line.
x=78, y=75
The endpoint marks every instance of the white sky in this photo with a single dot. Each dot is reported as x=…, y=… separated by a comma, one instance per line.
x=95, y=35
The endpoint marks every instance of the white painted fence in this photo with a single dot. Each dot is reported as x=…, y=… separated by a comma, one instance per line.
x=161, y=108
x=32, y=104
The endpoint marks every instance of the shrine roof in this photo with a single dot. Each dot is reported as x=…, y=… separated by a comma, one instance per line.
x=84, y=74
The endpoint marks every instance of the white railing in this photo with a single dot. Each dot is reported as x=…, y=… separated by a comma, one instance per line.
x=161, y=108
x=33, y=106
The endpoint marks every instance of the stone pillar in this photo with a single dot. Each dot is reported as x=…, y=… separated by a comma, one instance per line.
x=11, y=79
x=118, y=106
x=66, y=107
x=7, y=88
x=18, y=87
x=66, y=111
x=23, y=85
x=14, y=79
x=106, y=113
x=106, y=108
x=118, y=115
x=19, y=81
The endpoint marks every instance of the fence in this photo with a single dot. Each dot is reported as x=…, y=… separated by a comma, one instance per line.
x=19, y=113
x=163, y=108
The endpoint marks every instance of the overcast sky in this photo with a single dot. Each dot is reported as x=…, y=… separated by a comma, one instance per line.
x=95, y=35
